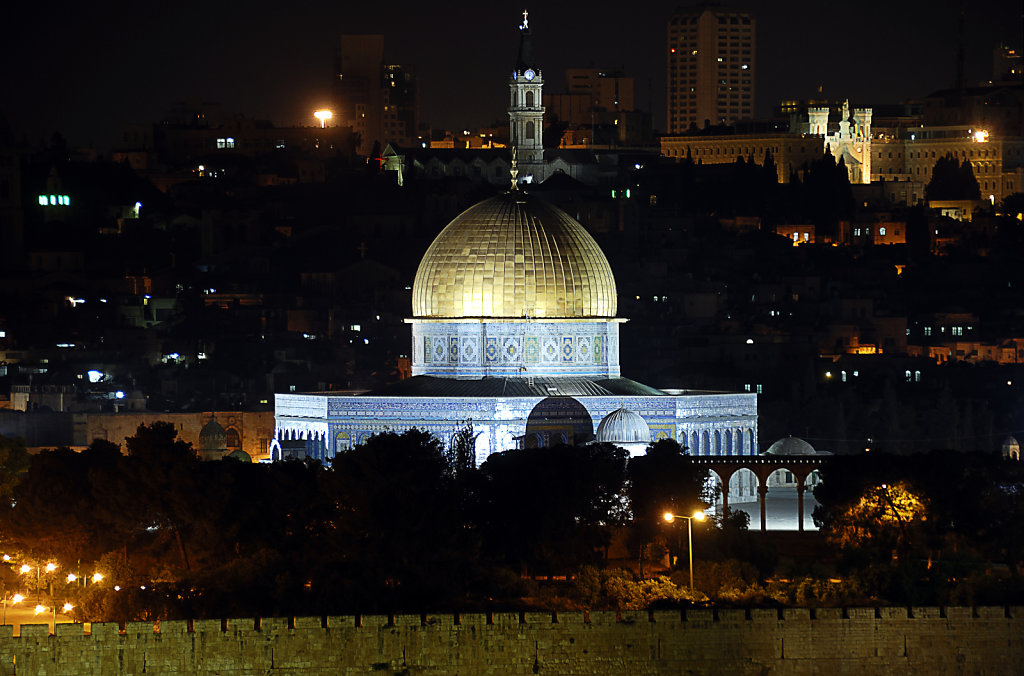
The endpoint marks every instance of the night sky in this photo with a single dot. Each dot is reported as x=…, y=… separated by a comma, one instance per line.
x=84, y=68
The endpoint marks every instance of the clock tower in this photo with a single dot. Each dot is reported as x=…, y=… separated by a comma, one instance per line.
x=526, y=109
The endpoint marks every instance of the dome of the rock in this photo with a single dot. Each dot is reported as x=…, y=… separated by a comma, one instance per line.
x=514, y=256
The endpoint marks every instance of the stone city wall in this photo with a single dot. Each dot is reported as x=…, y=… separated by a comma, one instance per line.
x=834, y=641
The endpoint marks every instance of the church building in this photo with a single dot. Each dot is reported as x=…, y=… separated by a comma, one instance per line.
x=515, y=336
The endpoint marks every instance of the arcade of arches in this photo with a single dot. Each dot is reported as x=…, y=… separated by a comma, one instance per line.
x=763, y=468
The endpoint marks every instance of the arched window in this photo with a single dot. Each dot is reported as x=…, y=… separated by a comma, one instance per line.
x=529, y=99
x=513, y=97
x=694, y=443
x=739, y=442
x=718, y=443
x=529, y=130
x=232, y=440
x=342, y=442
x=728, y=442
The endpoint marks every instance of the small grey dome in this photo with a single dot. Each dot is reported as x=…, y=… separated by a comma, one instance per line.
x=791, y=446
x=623, y=426
x=213, y=437
x=1011, y=448
x=239, y=455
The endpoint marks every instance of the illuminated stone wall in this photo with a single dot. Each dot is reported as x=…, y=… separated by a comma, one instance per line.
x=707, y=423
x=255, y=429
x=796, y=641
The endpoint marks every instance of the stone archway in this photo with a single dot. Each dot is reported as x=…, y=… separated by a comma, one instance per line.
x=556, y=420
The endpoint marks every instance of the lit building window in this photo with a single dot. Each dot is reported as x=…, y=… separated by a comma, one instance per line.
x=54, y=200
x=881, y=231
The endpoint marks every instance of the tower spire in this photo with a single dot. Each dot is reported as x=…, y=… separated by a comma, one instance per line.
x=526, y=110
x=525, y=59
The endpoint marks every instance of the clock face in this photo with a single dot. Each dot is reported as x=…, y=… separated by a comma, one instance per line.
x=529, y=74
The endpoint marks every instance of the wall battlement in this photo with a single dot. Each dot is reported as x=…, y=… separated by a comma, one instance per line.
x=924, y=640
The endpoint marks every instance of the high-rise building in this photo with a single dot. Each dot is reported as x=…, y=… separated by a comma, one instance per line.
x=1007, y=65
x=377, y=99
x=710, y=67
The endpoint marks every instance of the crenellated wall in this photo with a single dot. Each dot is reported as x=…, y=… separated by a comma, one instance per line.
x=834, y=641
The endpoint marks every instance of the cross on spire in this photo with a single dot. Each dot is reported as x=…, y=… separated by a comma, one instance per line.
x=526, y=20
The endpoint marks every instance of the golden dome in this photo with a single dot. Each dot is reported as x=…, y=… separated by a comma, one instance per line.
x=513, y=256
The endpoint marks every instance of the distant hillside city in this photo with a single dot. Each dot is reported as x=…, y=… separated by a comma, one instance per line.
x=853, y=263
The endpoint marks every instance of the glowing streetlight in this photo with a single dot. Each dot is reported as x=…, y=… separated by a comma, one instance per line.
x=17, y=598
x=699, y=516
x=981, y=136
x=323, y=116
x=49, y=568
x=97, y=577
x=71, y=577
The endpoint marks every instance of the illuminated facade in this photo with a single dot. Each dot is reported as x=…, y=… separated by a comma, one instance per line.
x=514, y=334
x=789, y=151
x=710, y=66
x=848, y=136
x=996, y=160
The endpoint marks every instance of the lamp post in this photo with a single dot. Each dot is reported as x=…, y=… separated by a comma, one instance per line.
x=49, y=568
x=699, y=516
x=17, y=598
x=40, y=609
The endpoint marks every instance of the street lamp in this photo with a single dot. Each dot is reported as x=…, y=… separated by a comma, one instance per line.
x=17, y=598
x=699, y=516
x=323, y=116
x=49, y=568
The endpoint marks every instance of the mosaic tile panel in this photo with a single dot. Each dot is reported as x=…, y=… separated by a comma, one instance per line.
x=532, y=349
x=568, y=352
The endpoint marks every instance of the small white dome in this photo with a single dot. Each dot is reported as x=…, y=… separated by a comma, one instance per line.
x=791, y=446
x=623, y=426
